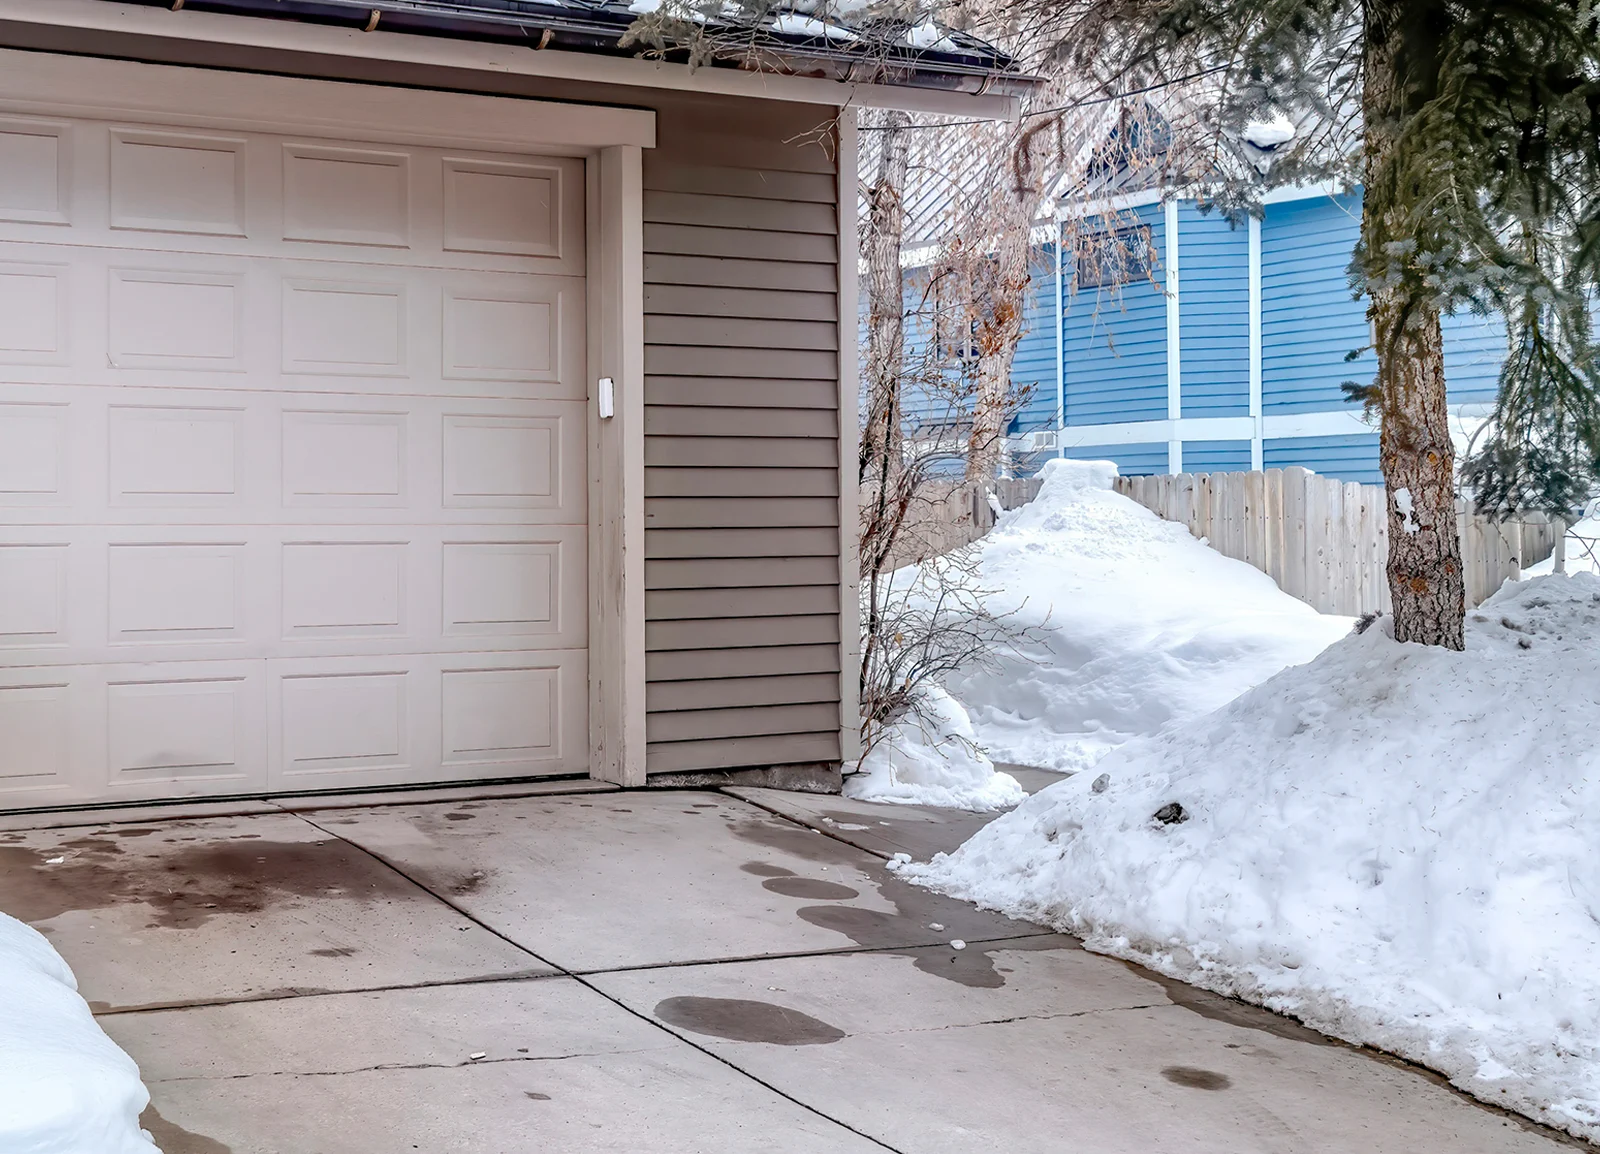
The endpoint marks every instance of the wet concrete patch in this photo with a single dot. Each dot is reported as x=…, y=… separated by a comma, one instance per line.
x=740, y=1020
x=187, y=881
x=1216, y=1008
x=536, y=1096
x=906, y=930
x=461, y=817
x=812, y=889
x=764, y=869
x=1196, y=1078
x=173, y=1139
x=336, y=952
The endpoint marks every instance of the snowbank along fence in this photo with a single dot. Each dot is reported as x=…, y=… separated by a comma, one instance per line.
x=952, y=515
x=1326, y=541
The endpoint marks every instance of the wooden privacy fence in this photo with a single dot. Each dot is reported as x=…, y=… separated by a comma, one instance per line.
x=1326, y=541
x=953, y=514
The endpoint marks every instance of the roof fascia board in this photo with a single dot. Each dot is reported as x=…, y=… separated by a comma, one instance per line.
x=512, y=60
x=52, y=84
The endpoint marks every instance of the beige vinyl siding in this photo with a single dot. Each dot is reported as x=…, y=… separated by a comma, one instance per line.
x=741, y=448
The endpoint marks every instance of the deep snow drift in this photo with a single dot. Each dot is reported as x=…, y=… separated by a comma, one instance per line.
x=934, y=760
x=1395, y=843
x=1139, y=624
x=65, y=1088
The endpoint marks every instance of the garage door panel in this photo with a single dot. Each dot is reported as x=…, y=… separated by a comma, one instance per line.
x=353, y=722
x=292, y=455
x=177, y=189
x=105, y=594
x=131, y=732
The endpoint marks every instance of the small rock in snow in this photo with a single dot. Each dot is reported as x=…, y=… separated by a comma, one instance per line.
x=958, y=944
x=1172, y=813
x=478, y=1055
x=1101, y=783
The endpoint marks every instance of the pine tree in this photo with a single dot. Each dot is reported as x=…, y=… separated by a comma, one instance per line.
x=1475, y=130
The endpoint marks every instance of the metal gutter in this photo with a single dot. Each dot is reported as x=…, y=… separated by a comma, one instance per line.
x=584, y=26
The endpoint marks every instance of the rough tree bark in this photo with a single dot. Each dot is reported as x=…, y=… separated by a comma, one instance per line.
x=1415, y=451
x=886, y=342
x=1002, y=285
x=883, y=512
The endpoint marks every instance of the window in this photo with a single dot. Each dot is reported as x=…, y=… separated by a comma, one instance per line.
x=1119, y=257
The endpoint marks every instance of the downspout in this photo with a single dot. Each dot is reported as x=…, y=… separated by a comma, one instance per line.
x=1174, y=331
x=1061, y=351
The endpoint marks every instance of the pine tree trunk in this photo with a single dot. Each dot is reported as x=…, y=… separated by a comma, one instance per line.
x=1415, y=451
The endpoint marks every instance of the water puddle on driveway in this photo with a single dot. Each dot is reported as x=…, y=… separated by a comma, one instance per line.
x=1195, y=1078
x=176, y=1140
x=915, y=909
x=739, y=1020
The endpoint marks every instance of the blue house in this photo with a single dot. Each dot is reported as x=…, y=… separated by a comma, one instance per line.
x=1229, y=356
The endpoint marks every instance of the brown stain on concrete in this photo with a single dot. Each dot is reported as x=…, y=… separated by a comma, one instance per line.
x=336, y=952
x=1196, y=1078
x=903, y=932
x=811, y=889
x=186, y=881
x=740, y=1020
x=536, y=1096
x=461, y=817
x=173, y=1139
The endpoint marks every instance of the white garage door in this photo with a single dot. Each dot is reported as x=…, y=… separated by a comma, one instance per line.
x=292, y=463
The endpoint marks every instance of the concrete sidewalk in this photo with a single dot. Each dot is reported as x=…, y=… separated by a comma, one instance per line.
x=659, y=971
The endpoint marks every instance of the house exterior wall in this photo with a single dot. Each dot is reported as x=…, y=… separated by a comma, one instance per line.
x=744, y=611
x=1242, y=400
x=742, y=435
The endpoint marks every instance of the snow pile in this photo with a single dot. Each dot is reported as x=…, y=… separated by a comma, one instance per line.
x=65, y=1088
x=1583, y=546
x=1394, y=843
x=1138, y=624
x=934, y=760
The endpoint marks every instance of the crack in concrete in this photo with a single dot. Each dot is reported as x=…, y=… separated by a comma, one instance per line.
x=387, y=1066
x=1008, y=1021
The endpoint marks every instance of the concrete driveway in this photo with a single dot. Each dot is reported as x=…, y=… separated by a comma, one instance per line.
x=581, y=970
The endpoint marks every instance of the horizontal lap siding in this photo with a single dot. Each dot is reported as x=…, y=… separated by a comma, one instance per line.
x=742, y=431
x=1033, y=366
x=1116, y=346
x=1349, y=458
x=1474, y=351
x=1214, y=315
x=1309, y=321
x=1131, y=460
x=1216, y=456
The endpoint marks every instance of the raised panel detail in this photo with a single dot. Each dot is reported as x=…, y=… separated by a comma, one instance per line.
x=170, y=182
x=33, y=315
x=175, y=320
x=33, y=606
x=344, y=721
x=492, y=461
x=174, y=592
x=161, y=455
x=502, y=207
x=172, y=730
x=502, y=336
x=343, y=589
x=344, y=328
x=32, y=452
x=337, y=458
x=346, y=196
x=33, y=176
x=498, y=589
x=34, y=728
x=500, y=715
